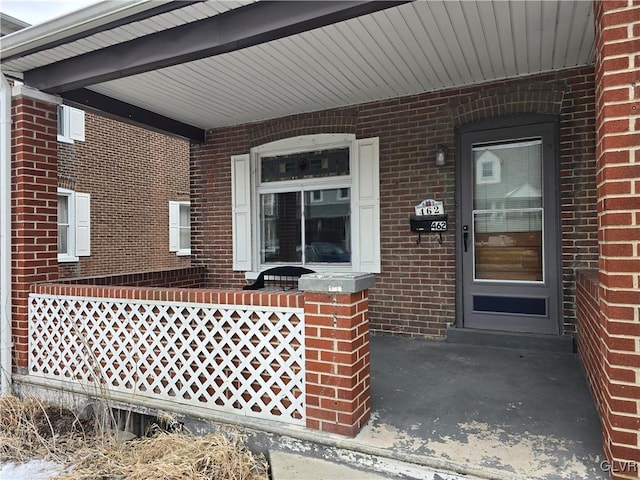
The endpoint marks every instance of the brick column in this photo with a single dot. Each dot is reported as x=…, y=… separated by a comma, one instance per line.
x=34, y=208
x=336, y=308
x=618, y=176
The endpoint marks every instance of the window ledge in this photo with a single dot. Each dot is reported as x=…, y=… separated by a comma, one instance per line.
x=183, y=253
x=67, y=259
x=63, y=139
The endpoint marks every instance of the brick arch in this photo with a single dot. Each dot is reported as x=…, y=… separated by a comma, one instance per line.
x=331, y=121
x=501, y=101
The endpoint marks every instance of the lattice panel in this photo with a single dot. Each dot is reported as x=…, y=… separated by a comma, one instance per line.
x=243, y=359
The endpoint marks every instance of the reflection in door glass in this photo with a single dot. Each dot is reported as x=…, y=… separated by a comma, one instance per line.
x=508, y=211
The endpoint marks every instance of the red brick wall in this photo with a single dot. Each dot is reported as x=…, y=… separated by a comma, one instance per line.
x=34, y=209
x=618, y=177
x=189, y=277
x=131, y=173
x=415, y=294
x=589, y=340
x=337, y=361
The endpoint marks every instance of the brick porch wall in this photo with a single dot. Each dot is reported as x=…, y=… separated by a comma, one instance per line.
x=618, y=175
x=336, y=341
x=415, y=294
x=34, y=205
x=189, y=277
x=131, y=173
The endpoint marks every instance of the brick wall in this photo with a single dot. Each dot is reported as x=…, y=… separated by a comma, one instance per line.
x=188, y=277
x=415, y=294
x=34, y=206
x=589, y=341
x=131, y=173
x=338, y=362
x=336, y=341
x=618, y=177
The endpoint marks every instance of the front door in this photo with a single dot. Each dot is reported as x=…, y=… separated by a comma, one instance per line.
x=509, y=226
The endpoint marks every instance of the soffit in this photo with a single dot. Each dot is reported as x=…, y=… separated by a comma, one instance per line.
x=412, y=48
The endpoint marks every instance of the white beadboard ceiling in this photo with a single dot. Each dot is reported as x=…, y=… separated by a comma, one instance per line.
x=416, y=47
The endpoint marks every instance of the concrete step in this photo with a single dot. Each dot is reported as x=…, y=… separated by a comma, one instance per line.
x=521, y=341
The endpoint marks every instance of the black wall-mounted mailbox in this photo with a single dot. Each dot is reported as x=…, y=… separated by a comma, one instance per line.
x=428, y=224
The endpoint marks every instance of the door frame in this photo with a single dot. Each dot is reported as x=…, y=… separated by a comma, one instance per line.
x=496, y=123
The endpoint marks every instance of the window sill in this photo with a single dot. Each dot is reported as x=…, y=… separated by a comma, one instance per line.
x=183, y=253
x=67, y=259
x=63, y=139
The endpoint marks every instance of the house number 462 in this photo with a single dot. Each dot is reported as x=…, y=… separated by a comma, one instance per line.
x=439, y=226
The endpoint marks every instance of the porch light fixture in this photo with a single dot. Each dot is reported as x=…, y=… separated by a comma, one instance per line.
x=441, y=156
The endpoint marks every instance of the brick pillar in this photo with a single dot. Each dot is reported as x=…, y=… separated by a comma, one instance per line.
x=336, y=308
x=34, y=207
x=618, y=176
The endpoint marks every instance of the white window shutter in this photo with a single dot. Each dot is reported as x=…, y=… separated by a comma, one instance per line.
x=241, y=211
x=365, y=206
x=174, y=226
x=76, y=124
x=83, y=224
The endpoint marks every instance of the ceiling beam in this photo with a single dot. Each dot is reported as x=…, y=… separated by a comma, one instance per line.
x=236, y=29
x=131, y=114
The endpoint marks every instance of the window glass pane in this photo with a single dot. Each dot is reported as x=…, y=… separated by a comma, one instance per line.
x=185, y=216
x=63, y=224
x=61, y=121
x=327, y=226
x=280, y=228
x=508, y=176
x=185, y=239
x=62, y=239
x=322, y=163
x=185, y=227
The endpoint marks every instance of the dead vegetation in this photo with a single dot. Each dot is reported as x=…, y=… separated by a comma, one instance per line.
x=31, y=429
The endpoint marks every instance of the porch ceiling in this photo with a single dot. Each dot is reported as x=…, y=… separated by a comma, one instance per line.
x=405, y=49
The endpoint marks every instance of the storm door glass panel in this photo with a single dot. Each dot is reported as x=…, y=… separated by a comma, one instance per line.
x=327, y=226
x=508, y=211
x=281, y=227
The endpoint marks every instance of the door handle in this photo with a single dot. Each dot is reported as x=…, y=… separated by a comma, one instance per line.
x=465, y=236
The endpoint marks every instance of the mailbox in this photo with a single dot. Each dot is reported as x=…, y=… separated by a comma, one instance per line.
x=428, y=224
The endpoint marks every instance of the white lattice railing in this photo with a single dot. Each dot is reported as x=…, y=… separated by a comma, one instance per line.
x=245, y=359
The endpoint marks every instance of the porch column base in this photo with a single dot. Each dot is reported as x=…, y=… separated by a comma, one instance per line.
x=338, y=393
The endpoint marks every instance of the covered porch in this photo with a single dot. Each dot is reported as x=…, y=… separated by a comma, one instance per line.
x=276, y=365
x=311, y=71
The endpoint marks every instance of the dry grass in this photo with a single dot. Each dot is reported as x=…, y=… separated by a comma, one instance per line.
x=31, y=429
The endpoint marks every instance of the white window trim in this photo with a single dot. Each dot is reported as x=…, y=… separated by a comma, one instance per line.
x=364, y=199
x=174, y=228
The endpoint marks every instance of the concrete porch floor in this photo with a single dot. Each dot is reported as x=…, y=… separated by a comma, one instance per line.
x=483, y=411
